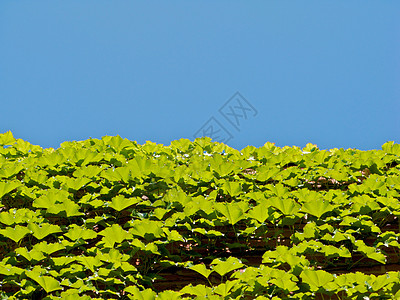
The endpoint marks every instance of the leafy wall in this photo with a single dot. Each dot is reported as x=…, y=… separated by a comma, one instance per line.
x=111, y=219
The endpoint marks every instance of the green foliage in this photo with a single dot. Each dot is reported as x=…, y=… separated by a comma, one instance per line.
x=110, y=219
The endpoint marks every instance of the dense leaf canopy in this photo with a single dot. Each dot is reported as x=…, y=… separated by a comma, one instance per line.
x=109, y=218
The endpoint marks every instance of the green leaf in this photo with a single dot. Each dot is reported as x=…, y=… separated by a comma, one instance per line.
x=152, y=248
x=285, y=283
x=10, y=270
x=9, y=218
x=73, y=294
x=317, y=207
x=159, y=213
x=75, y=184
x=119, y=202
x=310, y=148
x=114, y=234
x=234, y=212
x=44, y=229
x=78, y=284
x=69, y=207
x=30, y=255
x=270, y=256
x=199, y=290
x=63, y=261
x=10, y=170
x=50, y=198
x=381, y=281
x=374, y=182
x=279, y=190
x=83, y=157
x=178, y=196
x=147, y=228
x=169, y=295
x=310, y=230
x=232, y=188
x=88, y=171
x=370, y=252
x=316, y=279
x=336, y=237
x=118, y=143
x=48, y=248
x=224, y=267
x=117, y=174
x=282, y=254
x=140, y=166
x=173, y=235
x=220, y=165
x=201, y=269
x=76, y=232
x=330, y=250
x=113, y=256
x=89, y=262
x=49, y=284
x=146, y=294
x=6, y=187
x=7, y=138
x=286, y=205
x=224, y=289
x=127, y=267
x=36, y=177
x=182, y=145
x=16, y=234
x=73, y=269
x=266, y=172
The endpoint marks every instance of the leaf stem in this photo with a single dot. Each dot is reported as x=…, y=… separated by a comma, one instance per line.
x=356, y=263
x=234, y=230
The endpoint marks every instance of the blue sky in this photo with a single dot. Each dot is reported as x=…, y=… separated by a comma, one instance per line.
x=306, y=71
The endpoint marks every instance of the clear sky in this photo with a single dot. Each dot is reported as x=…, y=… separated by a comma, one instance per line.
x=325, y=72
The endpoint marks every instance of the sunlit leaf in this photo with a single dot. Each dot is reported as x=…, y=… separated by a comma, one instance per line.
x=6, y=138
x=232, y=188
x=169, y=295
x=234, y=212
x=317, y=208
x=6, y=187
x=76, y=232
x=220, y=166
x=75, y=184
x=286, y=205
x=10, y=218
x=199, y=290
x=114, y=234
x=10, y=270
x=70, y=208
x=16, y=233
x=201, y=269
x=117, y=174
x=30, y=255
x=50, y=198
x=285, y=283
x=49, y=284
x=139, y=166
x=260, y=212
x=224, y=289
x=224, y=267
x=370, y=252
x=10, y=170
x=146, y=294
x=316, y=279
x=44, y=229
x=120, y=202
x=48, y=248
x=89, y=262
